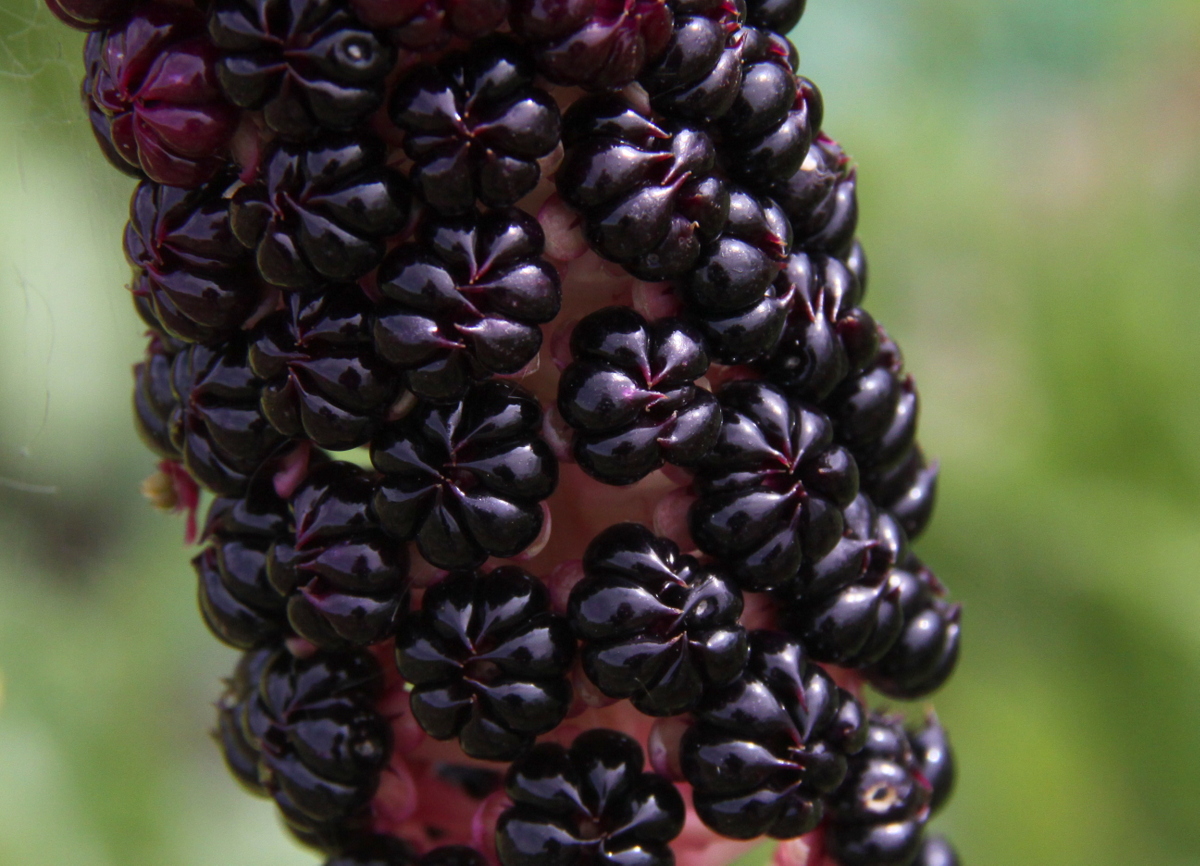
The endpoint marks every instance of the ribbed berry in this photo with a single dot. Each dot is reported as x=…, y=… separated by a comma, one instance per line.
x=153, y=398
x=648, y=194
x=845, y=607
x=423, y=25
x=778, y=15
x=828, y=335
x=466, y=480
x=345, y=581
x=91, y=14
x=879, y=813
x=821, y=200
x=596, y=45
x=772, y=490
x=308, y=65
x=476, y=126
x=589, y=804
x=321, y=744
x=321, y=212
x=241, y=754
x=321, y=378
x=631, y=396
x=936, y=851
x=657, y=627
x=925, y=654
x=186, y=261
x=152, y=96
x=238, y=602
x=935, y=758
x=767, y=749
x=699, y=74
x=772, y=149
x=488, y=661
x=875, y=414
x=465, y=300
x=217, y=424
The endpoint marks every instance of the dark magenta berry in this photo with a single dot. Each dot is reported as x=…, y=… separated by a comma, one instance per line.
x=187, y=263
x=216, y=424
x=821, y=200
x=768, y=748
x=466, y=480
x=151, y=93
x=935, y=759
x=153, y=398
x=91, y=14
x=475, y=127
x=631, y=396
x=599, y=46
x=345, y=581
x=422, y=25
x=588, y=804
x=241, y=754
x=698, y=77
x=648, y=195
x=321, y=378
x=307, y=65
x=465, y=300
x=778, y=15
x=772, y=490
x=657, y=627
x=374, y=850
x=828, y=336
x=321, y=212
x=488, y=661
x=237, y=600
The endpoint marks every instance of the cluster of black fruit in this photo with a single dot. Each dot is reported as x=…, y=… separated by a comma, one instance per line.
x=309, y=291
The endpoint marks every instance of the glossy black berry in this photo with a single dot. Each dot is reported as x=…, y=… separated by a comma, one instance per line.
x=878, y=815
x=772, y=490
x=845, y=607
x=778, y=15
x=599, y=46
x=828, y=335
x=771, y=149
x=936, y=851
x=153, y=398
x=631, y=395
x=321, y=378
x=186, y=261
x=767, y=749
x=476, y=126
x=875, y=414
x=308, y=65
x=734, y=271
x=700, y=72
x=428, y=25
x=90, y=14
x=321, y=744
x=657, y=627
x=821, y=200
x=345, y=581
x=935, y=759
x=216, y=424
x=488, y=661
x=237, y=600
x=240, y=752
x=925, y=654
x=464, y=301
x=466, y=480
x=647, y=193
x=589, y=804
x=321, y=212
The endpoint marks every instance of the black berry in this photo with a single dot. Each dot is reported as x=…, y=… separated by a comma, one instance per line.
x=700, y=72
x=821, y=200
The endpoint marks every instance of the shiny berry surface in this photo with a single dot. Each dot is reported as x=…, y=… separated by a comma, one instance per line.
x=657, y=627
x=936, y=851
x=90, y=14
x=475, y=127
x=699, y=74
x=778, y=15
x=321, y=379
x=488, y=661
x=321, y=212
x=767, y=748
x=648, y=194
x=596, y=45
x=345, y=581
x=187, y=263
x=427, y=25
x=153, y=398
x=631, y=396
x=464, y=301
x=821, y=199
x=589, y=804
x=772, y=490
x=466, y=480
x=307, y=66
x=152, y=96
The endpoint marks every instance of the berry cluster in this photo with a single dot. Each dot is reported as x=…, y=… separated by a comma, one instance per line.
x=563, y=489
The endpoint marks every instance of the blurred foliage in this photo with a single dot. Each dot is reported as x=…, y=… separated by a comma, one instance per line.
x=1030, y=190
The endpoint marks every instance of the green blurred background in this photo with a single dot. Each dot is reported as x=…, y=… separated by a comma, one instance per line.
x=1030, y=189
